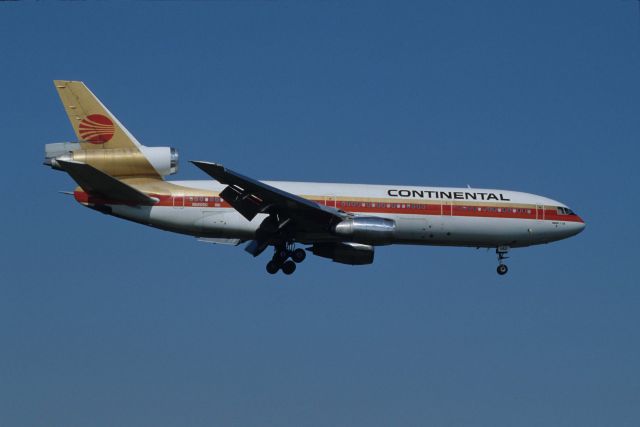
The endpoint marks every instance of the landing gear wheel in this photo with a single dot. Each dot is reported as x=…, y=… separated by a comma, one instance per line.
x=272, y=267
x=288, y=267
x=502, y=252
x=298, y=255
x=281, y=255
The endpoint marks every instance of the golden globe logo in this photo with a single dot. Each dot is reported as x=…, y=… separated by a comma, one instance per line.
x=96, y=129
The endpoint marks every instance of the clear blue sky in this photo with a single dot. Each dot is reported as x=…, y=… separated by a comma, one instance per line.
x=104, y=322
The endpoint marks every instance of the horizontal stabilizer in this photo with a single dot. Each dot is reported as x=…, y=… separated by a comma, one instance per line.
x=99, y=184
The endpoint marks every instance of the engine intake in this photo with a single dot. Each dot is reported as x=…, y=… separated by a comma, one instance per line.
x=367, y=229
x=345, y=253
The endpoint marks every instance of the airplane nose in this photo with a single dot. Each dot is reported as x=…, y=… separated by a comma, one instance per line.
x=577, y=227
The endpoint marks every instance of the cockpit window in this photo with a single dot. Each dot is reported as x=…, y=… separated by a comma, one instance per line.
x=565, y=211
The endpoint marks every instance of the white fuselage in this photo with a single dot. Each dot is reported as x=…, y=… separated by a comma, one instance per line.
x=423, y=215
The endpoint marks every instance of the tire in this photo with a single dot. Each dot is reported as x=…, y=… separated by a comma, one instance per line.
x=502, y=269
x=288, y=267
x=282, y=256
x=298, y=255
x=272, y=267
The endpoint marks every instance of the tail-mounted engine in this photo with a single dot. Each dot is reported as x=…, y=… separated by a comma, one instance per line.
x=161, y=161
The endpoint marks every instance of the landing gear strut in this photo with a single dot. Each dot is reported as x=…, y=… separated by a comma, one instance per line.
x=281, y=261
x=502, y=252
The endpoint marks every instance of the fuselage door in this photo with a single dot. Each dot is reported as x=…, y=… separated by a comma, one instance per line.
x=178, y=200
x=446, y=208
x=539, y=212
x=330, y=201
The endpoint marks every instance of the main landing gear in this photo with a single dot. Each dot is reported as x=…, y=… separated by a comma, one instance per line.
x=281, y=261
x=502, y=251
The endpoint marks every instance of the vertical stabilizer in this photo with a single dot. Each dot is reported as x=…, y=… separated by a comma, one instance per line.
x=93, y=123
x=103, y=142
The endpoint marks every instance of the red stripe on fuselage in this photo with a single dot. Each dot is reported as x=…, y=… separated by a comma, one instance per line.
x=550, y=213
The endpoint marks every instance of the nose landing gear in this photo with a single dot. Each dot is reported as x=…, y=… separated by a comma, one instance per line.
x=281, y=261
x=502, y=251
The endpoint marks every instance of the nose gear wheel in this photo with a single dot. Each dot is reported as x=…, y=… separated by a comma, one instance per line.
x=502, y=252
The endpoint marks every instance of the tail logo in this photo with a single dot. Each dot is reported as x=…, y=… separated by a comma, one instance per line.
x=96, y=129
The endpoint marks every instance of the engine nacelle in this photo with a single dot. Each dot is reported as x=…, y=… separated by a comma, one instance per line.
x=345, y=253
x=163, y=159
x=117, y=161
x=367, y=229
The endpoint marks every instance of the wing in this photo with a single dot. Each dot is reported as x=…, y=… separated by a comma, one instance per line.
x=251, y=197
x=100, y=184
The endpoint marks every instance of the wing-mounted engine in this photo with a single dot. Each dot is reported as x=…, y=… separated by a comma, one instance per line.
x=374, y=230
x=344, y=253
x=142, y=161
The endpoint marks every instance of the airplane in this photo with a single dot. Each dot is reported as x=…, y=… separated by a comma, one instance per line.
x=118, y=176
